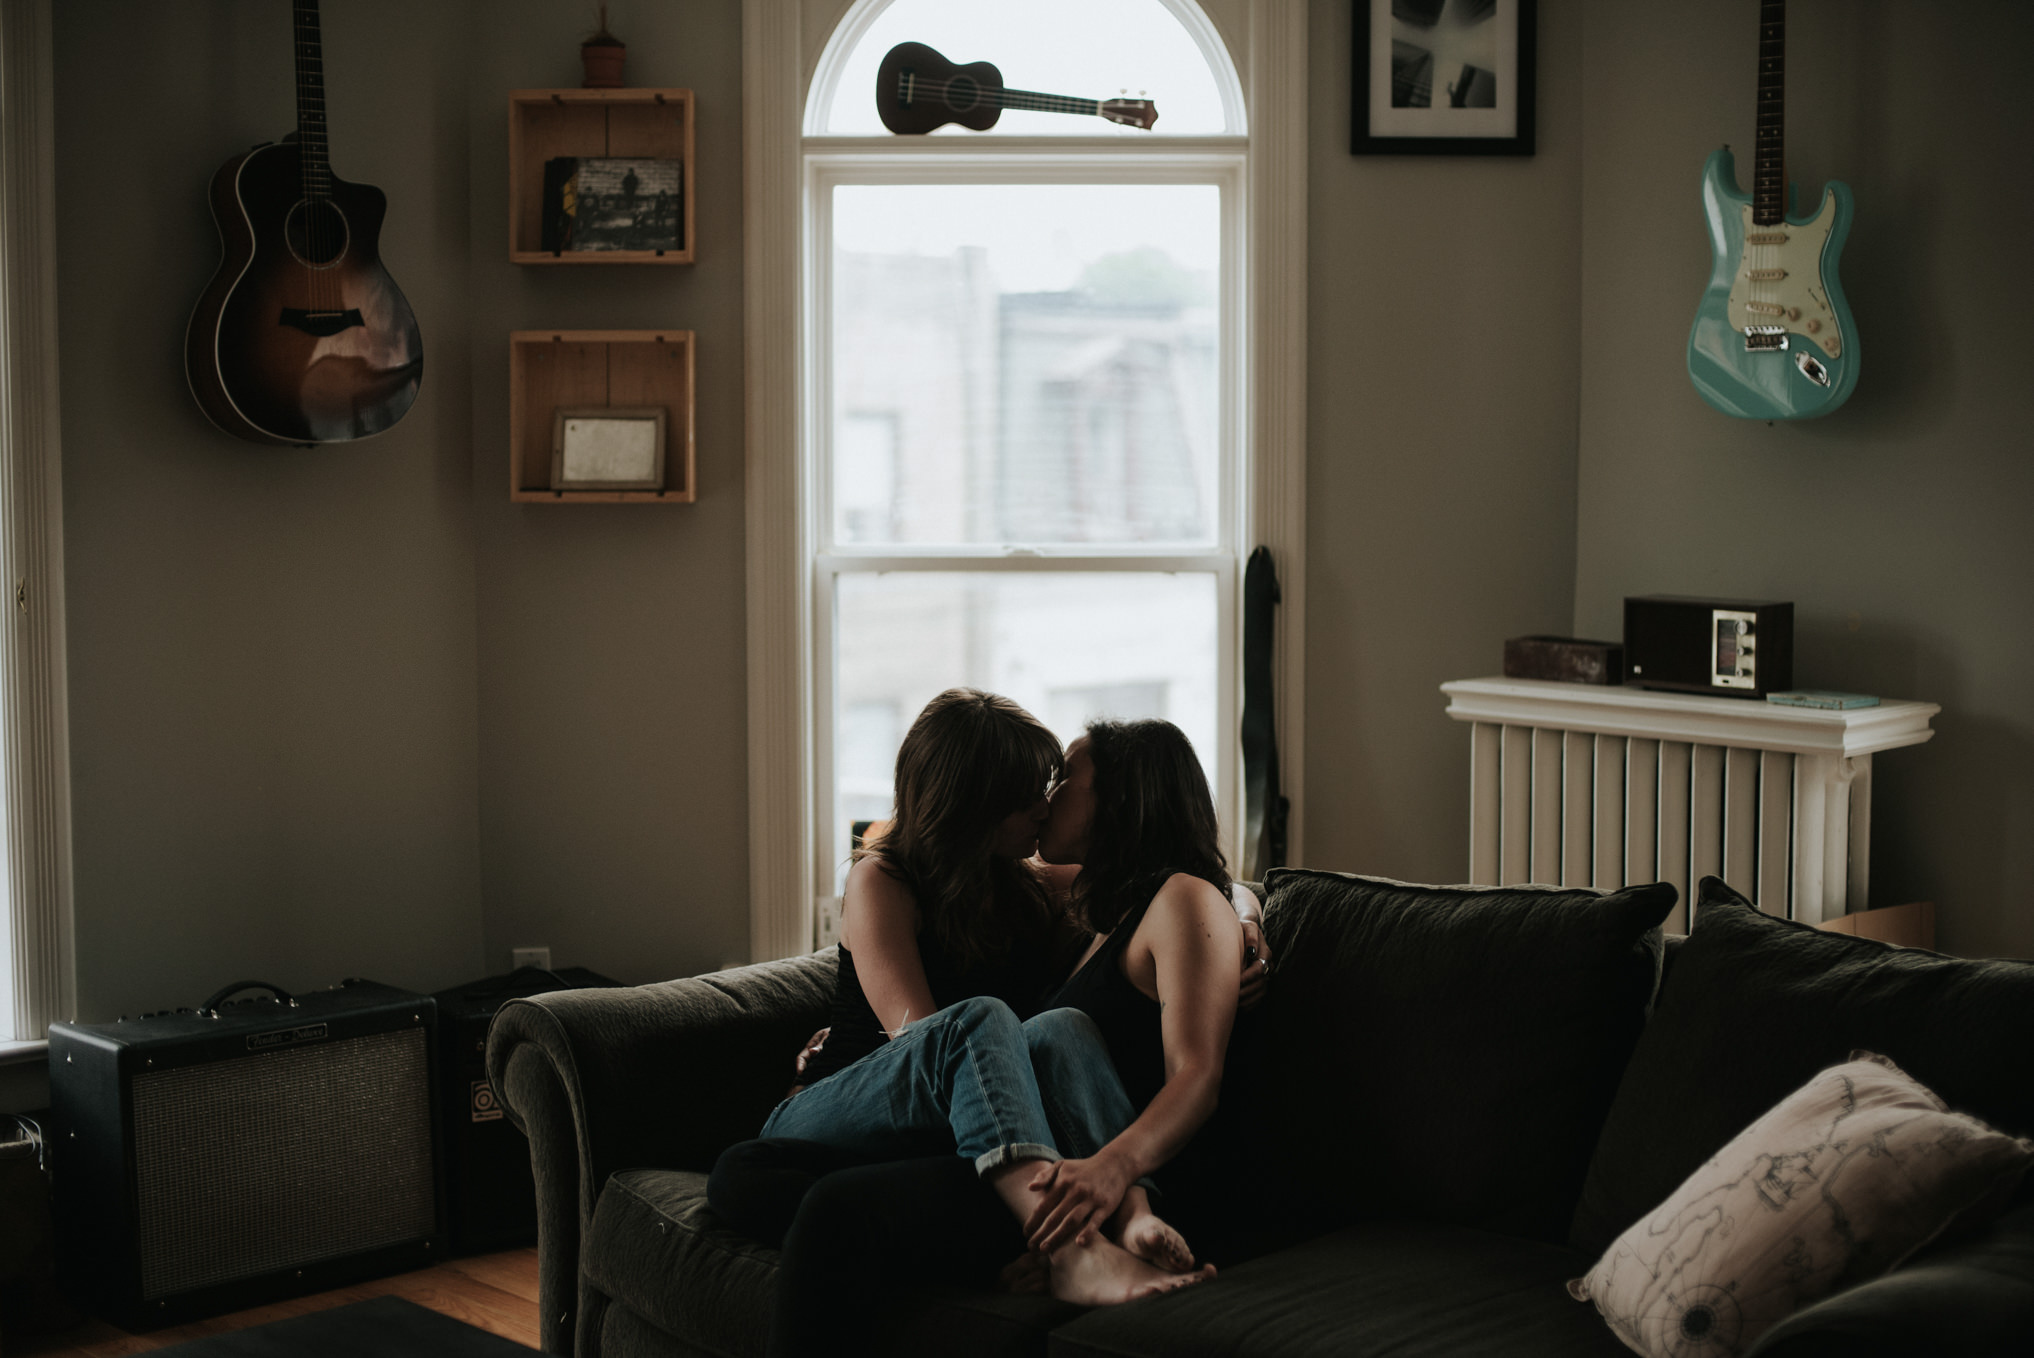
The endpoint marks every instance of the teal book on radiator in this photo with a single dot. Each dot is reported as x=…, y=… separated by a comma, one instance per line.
x=1773, y=338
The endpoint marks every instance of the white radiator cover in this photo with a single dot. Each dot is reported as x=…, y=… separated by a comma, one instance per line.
x=1585, y=785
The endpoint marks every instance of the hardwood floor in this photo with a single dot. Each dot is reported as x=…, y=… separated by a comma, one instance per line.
x=493, y=1292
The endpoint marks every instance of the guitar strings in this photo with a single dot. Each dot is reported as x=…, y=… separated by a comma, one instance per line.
x=1001, y=95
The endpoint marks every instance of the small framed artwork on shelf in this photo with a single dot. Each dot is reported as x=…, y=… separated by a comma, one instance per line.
x=603, y=448
x=601, y=417
x=1443, y=78
x=613, y=203
x=601, y=176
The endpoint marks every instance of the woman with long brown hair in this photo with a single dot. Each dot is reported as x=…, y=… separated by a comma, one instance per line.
x=1134, y=815
x=947, y=935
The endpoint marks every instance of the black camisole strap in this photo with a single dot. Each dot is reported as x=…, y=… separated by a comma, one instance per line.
x=1127, y=1017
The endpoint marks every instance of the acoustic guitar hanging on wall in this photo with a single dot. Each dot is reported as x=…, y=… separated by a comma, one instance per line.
x=918, y=90
x=301, y=337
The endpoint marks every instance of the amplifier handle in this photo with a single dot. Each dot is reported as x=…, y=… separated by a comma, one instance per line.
x=210, y=1008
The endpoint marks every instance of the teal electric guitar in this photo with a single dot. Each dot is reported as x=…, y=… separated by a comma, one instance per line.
x=1773, y=339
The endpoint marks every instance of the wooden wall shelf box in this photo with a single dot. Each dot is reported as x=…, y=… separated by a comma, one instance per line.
x=551, y=370
x=652, y=124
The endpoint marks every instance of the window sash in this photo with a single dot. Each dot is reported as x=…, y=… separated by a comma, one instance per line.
x=831, y=162
x=829, y=567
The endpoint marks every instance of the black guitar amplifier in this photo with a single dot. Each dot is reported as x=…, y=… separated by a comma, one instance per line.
x=212, y=1159
x=491, y=1196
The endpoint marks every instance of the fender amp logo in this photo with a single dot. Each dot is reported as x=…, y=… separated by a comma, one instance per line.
x=485, y=1108
x=286, y=1037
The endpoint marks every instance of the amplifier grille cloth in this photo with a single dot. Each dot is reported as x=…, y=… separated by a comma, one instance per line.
x=275, y=1161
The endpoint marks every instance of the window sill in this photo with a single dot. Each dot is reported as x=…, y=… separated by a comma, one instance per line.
x=20, y=1053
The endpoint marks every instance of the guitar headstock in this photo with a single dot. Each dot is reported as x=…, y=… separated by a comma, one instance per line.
x=1131, y=112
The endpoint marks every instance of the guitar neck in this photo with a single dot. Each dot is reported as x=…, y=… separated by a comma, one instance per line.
x=1043, y=103
x=311, y=102
x=1769, y=176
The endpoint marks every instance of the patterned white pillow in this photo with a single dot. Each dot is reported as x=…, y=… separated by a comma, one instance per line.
x=1842, y=1180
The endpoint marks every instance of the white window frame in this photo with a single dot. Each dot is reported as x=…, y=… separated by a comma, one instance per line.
x=35, y=824
x=790, y=171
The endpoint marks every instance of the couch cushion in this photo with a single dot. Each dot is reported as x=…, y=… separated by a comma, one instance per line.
x=661, y=1253
x=1970, y=1299
x=1408, y=1289
x=1838, y=1183
x=1446, y=1053
x=656, y=1248
x=1756, y=1005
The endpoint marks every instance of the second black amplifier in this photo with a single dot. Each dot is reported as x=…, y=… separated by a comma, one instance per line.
x=1731, y=648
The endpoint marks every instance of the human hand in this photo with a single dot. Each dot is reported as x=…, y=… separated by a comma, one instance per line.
x=1255, y=981
x=813, y=1045
x=1076, y=1197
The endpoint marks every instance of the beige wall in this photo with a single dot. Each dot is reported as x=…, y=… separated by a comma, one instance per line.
x=1903, y=525
x=272, y=659
x=1441, y=429
x=613, y=693
x=350, y=712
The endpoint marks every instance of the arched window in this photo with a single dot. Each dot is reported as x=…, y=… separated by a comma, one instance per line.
x=1024, y=459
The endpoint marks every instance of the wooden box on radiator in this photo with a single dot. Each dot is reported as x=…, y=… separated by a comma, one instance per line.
x=210, y=1160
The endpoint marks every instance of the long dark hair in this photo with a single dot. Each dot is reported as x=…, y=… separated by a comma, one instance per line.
x=1154, y=817
x=970, y=760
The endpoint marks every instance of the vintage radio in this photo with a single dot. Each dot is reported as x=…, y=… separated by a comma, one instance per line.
x=490, y=1193
x=212, y=1159
x=1731, y=648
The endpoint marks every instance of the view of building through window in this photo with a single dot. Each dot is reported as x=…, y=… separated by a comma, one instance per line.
x=1003, y=373
x=1006, y=375
x=1071, y=647
x=1022, y=481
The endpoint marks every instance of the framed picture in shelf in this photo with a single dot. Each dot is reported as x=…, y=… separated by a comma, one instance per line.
x=1443, y=78
x=613, y=203
x=607, y=448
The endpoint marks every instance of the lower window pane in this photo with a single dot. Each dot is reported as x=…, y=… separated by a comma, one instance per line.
x=1069, y=647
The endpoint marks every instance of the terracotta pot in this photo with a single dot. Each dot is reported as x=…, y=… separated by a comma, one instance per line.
x=603, y=63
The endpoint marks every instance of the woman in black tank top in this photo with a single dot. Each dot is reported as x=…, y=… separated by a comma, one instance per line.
x=947, y=935
x=1160, y=980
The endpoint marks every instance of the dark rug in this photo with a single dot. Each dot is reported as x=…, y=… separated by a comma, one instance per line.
x=386, y=1327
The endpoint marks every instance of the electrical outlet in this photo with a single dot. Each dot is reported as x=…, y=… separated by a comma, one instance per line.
x=826, y=923
x=530, y=957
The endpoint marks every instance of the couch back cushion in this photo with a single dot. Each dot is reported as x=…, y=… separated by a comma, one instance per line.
x=1445, y=1053
x=1756, y=1005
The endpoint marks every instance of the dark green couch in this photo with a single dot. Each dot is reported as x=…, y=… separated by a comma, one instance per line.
x=1458, y=1098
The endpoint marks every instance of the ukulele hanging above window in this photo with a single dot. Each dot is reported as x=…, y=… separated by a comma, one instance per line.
x=918, y=90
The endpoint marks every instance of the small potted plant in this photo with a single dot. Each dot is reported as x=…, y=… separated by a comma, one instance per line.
x=602, y=55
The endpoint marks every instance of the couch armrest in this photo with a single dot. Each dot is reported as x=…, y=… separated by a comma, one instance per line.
x=1974, y=1299
x=666, y=1075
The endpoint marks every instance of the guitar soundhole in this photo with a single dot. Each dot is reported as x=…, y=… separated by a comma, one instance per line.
x=962, y=94
x=316, y=232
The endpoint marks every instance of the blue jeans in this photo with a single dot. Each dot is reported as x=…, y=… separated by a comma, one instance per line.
x=973, y=1079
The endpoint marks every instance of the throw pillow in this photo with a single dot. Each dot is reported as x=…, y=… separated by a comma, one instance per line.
x=1753, y=1005
x=1443, y=1052
x=1842, y=1180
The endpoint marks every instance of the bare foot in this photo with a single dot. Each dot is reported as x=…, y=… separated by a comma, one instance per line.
x=1145, y=1234
x=1028, y=1272
x=1103, y=1273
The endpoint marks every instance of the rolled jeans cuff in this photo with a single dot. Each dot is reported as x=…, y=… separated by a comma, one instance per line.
x=1012, y=1153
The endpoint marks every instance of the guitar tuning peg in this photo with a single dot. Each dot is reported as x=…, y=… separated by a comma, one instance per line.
x=1123, y=90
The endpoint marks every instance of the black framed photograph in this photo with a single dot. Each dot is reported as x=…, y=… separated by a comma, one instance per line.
x=1443, y=78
